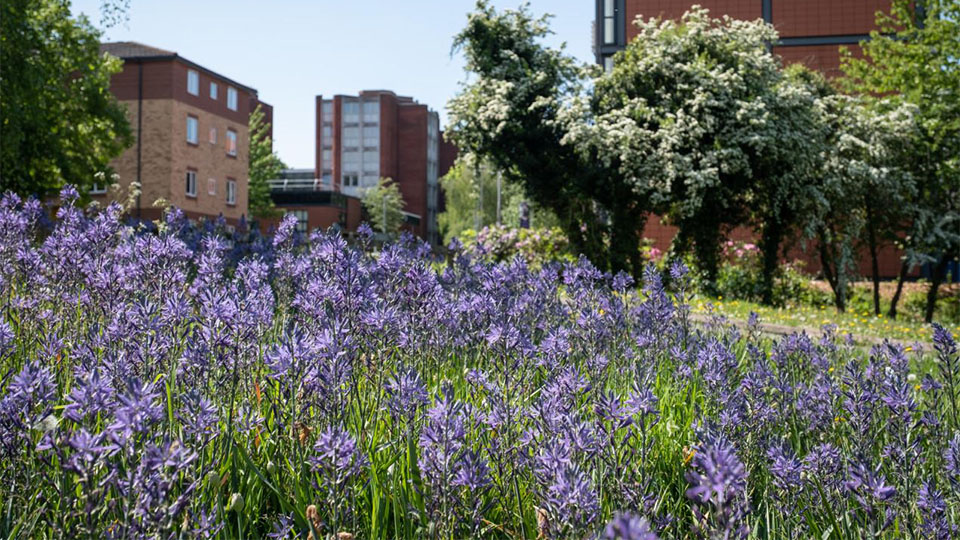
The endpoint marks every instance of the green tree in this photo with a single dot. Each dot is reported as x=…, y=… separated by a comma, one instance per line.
x=470, y=194
x=60, y=123
x=698, y=116
x=914, y=57
x=508, y=112
x=383, y=206
x=265, y=165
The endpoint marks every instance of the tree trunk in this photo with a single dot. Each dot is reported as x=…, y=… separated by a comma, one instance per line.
x=834, y=279
x=938, y=274
x=904, y=268
x=770, y=245
x=874, y=262
x=625, y=242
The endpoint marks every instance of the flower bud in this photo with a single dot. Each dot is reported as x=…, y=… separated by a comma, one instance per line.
x=236, y=503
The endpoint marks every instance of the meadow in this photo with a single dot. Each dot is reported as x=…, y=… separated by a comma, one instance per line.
x=193, y=383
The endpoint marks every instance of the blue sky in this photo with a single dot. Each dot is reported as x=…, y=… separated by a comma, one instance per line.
x=292, y=50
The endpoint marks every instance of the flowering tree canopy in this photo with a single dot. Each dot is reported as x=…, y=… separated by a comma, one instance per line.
x=698, y=116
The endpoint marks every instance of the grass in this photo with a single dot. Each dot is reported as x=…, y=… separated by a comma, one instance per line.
x=859, y=322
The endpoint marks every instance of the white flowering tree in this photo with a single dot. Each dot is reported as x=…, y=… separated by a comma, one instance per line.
x=914, y=57
x=698, y=116
x=508, y=112
x=867, y=185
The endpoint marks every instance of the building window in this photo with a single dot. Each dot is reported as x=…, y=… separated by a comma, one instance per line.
x=327, y=157
x=191, y=183
x=231, y=98
x=231, y=142
x=327, y=132
x=371, y=112
x=301, y=216
x=326, y=179
x=193, y=82
x=608, y=63
x=609, y=23
x=350, y=137
x=213, y=135
x=326, y=109
x=98, y=189
x=350, y=179
x=212, y=186
x=213, y=90
x=231, y=191
x=192, y=129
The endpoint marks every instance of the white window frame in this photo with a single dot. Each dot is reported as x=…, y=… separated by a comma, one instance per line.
x=196, y=129
x=214, y=90
x=231, y=191
x=98, y=188
x=191, y=183
x=232, y=98
x=231, y=142
x=193, y=82
x=211, y=186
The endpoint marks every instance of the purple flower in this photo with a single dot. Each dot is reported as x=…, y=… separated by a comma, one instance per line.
x=336, y=456
x=719, y=488
x=627, y=526
x=405, y=394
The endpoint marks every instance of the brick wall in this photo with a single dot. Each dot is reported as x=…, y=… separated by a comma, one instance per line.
x=674, y=9
x=412, y=161
x=825, y=17
x=157, y=154
x=210, y=161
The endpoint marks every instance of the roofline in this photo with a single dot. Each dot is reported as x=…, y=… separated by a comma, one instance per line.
x=191, y=63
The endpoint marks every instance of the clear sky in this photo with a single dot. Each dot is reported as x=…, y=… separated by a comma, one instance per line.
x=293, y=50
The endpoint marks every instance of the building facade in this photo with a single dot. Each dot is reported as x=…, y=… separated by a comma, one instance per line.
x=378, y=134
x=811, y=31
x=301, y=193
x=190, y=126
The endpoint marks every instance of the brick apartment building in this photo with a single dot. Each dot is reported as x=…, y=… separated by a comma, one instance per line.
x=811, y=31
x=191, y=136
x=376, y=134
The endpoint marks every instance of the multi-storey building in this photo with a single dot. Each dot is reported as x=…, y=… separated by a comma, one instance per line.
x=378, y=134
x=191, y=136
x=811, y=31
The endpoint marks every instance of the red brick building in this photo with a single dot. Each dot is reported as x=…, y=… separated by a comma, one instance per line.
x=378, y=134
x=811, y=31
x=190, y=126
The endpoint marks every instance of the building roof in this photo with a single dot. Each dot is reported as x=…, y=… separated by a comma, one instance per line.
x=132, y=50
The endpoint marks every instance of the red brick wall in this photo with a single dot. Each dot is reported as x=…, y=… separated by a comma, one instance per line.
x=412, y=161
x=388, y=136
x=826, y=17
x=674, y=9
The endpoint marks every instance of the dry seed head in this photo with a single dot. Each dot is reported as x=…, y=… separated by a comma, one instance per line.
x=543, y=524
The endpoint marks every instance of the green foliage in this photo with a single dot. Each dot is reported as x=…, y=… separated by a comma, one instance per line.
x=698, y=116
x=60, y=123
x=740, y=277
x=503, y=244
x=913, y=59
x=383, y=206
x=508, y=113
x=470, y=191
x=265, y=165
